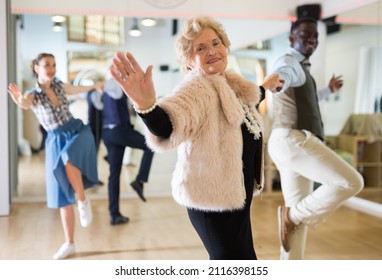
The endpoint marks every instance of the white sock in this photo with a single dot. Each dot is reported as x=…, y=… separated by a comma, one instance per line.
x=84, y=202
x=292, y=216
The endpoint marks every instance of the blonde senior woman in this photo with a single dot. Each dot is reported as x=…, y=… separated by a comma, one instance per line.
x=211, y=118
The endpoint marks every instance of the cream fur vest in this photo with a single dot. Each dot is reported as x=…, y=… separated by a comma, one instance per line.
x=206, y=117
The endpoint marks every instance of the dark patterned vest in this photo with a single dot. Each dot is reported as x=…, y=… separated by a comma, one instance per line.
x=308, y=110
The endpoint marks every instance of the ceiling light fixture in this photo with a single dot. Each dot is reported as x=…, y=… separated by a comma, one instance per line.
x=134, y=31
x=58, y=18
x=57, y=27
x=148, y=22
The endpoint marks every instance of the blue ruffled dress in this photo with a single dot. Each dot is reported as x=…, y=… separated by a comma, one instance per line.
x=72, y=142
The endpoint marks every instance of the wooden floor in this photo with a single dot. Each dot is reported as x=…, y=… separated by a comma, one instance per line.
x=159, y=229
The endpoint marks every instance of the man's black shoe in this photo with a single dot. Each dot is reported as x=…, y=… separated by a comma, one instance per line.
x=118, y=220
x=138, y=187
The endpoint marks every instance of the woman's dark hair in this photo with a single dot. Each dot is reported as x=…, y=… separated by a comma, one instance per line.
x=37, y=60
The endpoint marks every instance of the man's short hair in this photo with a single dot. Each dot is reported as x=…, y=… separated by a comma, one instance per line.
x=298, y=22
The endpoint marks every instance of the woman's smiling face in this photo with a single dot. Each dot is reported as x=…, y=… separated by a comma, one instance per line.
x=209, y=55
x=46, y=68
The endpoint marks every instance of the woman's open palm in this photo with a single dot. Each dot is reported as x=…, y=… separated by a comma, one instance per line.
x=137, y=84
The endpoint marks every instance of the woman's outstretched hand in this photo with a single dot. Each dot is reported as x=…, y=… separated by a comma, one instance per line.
x=17, y=96
x=137, y=85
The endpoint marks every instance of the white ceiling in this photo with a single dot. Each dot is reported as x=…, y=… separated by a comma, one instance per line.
x=246, y=21
x=239, y=9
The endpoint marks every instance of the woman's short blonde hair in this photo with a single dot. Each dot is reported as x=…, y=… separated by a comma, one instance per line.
x=191, y=31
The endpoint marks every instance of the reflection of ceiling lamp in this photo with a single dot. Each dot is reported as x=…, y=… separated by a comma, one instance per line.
x=57, y=27
x=58, y=18
x=148, y=22
x=134, y=31
x=58, y=23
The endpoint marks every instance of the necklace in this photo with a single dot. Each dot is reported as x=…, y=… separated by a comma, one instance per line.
x=250, y=122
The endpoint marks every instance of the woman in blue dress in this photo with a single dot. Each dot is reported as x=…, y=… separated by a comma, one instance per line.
x=70, y=155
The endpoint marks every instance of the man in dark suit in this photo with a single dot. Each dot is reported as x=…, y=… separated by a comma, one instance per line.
x=117, y=134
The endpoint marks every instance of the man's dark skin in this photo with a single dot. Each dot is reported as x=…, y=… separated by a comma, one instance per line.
x=304, y=39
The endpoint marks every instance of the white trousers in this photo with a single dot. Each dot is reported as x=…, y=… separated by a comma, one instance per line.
x=302, y=159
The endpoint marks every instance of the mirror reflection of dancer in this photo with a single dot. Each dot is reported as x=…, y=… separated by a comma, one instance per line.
x=296, y=146
x=117, y=134
x=212, y=120
x=70, y=161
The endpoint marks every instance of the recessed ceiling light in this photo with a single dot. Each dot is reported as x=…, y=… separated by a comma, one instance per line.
x=58, y=18
x=148, y=22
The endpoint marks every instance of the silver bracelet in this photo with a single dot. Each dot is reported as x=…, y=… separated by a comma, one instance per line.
x=146, y=111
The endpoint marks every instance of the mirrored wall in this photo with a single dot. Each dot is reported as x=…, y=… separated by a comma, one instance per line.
x=353, y=48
